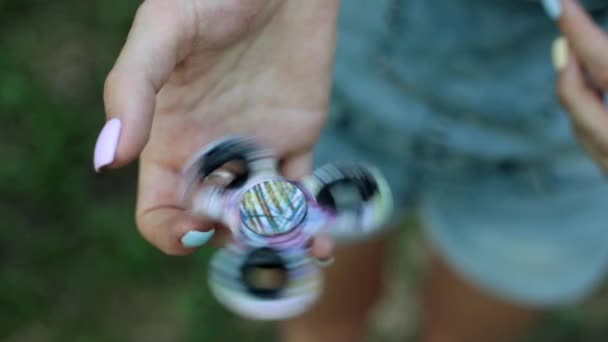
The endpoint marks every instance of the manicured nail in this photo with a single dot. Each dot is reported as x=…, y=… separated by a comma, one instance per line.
x=324, y=262
x=553, y=8
x=560, y=53
x=107, y=143
x=195, y=238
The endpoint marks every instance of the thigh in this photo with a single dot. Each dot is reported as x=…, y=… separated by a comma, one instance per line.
x=454, y=310
x=353, y=284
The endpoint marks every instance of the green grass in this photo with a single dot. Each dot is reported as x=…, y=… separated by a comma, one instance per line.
x=73, y=267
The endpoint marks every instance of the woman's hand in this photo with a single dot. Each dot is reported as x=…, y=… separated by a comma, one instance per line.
x=581, y=56
x=193, y=71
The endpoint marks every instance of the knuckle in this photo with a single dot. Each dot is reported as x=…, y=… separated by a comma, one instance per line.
x=167, y=243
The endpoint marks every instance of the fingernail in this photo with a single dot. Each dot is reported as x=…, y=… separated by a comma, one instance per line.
x=560, y=53
x=324, y=262
x=107, y=143
x=553, y=8
x=195, y=238
x=322, y=247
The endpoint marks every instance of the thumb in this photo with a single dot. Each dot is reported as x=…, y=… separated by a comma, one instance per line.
x=145, y=62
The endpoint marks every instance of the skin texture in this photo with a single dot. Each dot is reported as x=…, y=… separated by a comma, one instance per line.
x=192, y=71
x=454, y=310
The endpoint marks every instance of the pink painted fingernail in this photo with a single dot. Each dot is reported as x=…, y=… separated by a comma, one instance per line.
x=107, y=143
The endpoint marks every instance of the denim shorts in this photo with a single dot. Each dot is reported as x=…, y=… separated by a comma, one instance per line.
x=455, y=102
x=533, y=232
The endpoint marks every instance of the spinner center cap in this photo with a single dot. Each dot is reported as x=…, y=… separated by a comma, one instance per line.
x=273, y=208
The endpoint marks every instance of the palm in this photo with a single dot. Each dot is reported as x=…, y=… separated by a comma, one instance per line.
x=267, y=82
x=259, y=68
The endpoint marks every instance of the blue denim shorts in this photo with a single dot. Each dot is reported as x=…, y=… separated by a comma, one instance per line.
x=531, y=231
x=455, y=102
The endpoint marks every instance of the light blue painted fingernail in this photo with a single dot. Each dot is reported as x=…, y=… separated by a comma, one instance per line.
x=195, y=238
x=553, y=8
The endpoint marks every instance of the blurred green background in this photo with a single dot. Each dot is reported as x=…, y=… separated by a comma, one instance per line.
x=73, y=267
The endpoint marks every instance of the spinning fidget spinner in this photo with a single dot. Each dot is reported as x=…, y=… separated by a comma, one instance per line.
x=266, y=271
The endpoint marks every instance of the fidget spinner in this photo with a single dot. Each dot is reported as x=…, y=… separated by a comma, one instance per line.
x=266, y=271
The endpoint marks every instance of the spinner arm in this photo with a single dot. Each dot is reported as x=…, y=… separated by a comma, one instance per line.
x=266, y=271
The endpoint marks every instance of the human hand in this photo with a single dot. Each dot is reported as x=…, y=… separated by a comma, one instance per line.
x=192, y=71
x=581, y=57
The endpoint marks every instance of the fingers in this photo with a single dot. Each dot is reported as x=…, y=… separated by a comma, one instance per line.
x=297, y=166
x=322, y=250
x=601, y=159
x=581, y=58
x=587, y=40
x=165, y=224
x=587, y=109
x=149, y=56
x=172, y=231
x=160, y=218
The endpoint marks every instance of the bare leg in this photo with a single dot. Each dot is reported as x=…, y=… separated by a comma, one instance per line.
x=455, y=311
x=353, y=285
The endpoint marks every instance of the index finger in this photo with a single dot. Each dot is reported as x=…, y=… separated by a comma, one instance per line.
x=155, y=44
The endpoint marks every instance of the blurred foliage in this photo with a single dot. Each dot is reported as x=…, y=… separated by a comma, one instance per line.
x=73, y=267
